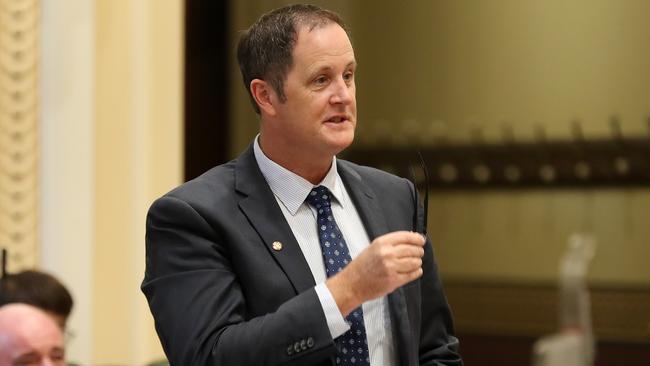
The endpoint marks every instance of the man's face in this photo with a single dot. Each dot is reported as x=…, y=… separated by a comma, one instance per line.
x=29, y=337
x=42, y=348
x=320, y=112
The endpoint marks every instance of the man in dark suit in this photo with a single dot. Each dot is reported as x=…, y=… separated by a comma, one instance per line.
x=286, y=255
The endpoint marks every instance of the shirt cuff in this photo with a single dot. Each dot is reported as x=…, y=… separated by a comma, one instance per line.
x=335, y=320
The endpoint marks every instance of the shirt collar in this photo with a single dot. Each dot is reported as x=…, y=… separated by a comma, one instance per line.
x=290, y=188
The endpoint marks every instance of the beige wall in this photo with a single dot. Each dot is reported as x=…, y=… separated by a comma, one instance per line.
x=520, y=236
x=524, y=62
x=114, y=115
x=138, y=145
x=67, y=158
x=468, y=64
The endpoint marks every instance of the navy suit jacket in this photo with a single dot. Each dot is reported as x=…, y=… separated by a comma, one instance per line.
x=221, y=295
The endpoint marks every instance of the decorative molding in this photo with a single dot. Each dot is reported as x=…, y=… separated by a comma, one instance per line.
x=620, y=314
x=19, y=140
x=610, y=161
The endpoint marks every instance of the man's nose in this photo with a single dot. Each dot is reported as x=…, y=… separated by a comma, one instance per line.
x=342, y=93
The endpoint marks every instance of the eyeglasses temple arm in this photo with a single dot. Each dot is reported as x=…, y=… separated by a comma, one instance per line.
x=426, y=194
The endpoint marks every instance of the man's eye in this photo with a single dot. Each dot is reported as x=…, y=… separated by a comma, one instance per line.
x=348, y=76
x=26, y=361
x=57, y=356
x=321, y=80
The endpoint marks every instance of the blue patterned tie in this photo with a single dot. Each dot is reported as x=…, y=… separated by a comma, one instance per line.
x=352, y=345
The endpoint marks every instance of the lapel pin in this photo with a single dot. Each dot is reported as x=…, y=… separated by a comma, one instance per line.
x=277, y=246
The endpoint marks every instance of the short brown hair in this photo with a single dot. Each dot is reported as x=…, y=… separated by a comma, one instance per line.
x=265, y=50
x=37, y=289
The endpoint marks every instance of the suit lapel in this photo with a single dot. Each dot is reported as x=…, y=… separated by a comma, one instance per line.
x=375, y=223
x=364, y=200
x=260, y=207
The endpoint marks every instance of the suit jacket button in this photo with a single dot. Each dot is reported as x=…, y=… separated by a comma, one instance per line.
x=290, y=350
x=310, y=342
x=296, y=347
x=303, y=344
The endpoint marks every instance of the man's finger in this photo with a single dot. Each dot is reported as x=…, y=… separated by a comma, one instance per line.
x=410, y=276
x=408, y=264
x=407, y=250
x=402, y=237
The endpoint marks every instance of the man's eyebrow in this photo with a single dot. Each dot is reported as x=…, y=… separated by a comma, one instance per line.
x=316, y=70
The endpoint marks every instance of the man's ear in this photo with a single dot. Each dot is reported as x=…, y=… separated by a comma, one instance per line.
x=264, y=96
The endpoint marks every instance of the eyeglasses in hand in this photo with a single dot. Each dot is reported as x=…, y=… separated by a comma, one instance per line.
x=416, y=212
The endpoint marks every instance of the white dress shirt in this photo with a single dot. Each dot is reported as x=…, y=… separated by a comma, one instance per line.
x=290, y=191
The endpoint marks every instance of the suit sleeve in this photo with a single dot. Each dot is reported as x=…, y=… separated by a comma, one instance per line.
x=438, y=345
x=199, y=307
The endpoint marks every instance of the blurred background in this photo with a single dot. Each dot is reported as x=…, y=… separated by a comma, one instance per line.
x=107, y=104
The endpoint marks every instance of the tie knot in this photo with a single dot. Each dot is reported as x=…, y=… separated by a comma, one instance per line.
x=319, y=197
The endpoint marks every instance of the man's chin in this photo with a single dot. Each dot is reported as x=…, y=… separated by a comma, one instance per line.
x=342, y=143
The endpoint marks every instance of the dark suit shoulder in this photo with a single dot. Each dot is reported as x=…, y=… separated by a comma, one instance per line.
x=213, y=185
x=209, y=195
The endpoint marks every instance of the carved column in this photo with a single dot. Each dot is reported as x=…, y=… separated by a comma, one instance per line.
x=19, y=141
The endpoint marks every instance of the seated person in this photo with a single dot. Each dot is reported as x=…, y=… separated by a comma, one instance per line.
x=28, y=336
